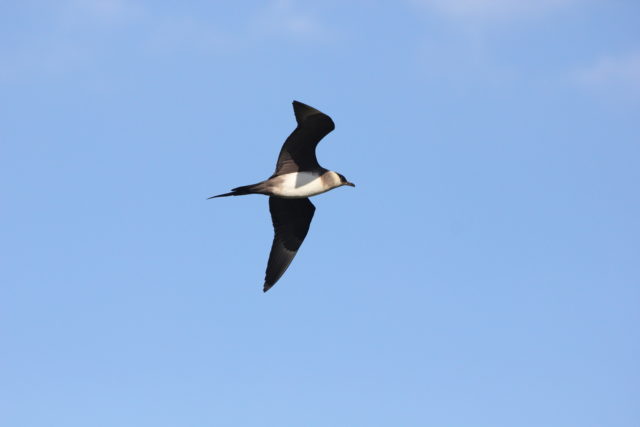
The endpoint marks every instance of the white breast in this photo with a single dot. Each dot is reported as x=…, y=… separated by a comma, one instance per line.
x=297, y=185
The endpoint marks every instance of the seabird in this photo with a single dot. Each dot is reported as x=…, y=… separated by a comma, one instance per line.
x=298, y=176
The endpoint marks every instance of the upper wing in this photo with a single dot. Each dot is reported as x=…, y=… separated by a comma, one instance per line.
x=291, y=219
x=298, y=152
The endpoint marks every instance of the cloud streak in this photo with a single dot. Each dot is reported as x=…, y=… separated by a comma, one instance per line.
x=283, y=18
x=492, y=11
x=618, y=74
x=75, y=33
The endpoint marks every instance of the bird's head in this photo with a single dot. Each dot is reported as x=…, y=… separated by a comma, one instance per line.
x=340, y=180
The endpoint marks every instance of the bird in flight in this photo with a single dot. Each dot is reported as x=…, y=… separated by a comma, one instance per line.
x=298, y=176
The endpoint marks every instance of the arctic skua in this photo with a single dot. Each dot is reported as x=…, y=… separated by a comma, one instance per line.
x=298, y=176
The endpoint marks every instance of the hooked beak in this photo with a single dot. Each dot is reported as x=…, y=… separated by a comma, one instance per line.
x=350, y=184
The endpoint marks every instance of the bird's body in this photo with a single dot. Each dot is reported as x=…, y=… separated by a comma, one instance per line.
x=294, y=185
x=298, y=176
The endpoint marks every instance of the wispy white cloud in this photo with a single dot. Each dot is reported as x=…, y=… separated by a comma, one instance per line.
x=462, y=62
x=491, y=11
x=76, y=32
x=149, y=28
x=104, y=11
x=276, y=19
x=285, y=18
x=468, y=44
x=52, y=58
x=105, y=8
x=617, y=75
x=167, y=35
x=66, y=40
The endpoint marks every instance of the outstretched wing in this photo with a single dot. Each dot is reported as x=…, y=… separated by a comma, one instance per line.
x=291, y=219
x=298, y=152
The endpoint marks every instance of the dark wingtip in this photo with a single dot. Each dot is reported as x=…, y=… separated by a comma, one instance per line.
x=267, y=286
x=302, y=111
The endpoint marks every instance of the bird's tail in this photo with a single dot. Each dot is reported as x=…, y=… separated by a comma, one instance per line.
x=241, y=191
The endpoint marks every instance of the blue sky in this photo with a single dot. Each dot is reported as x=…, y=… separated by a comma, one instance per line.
x=484, y=271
